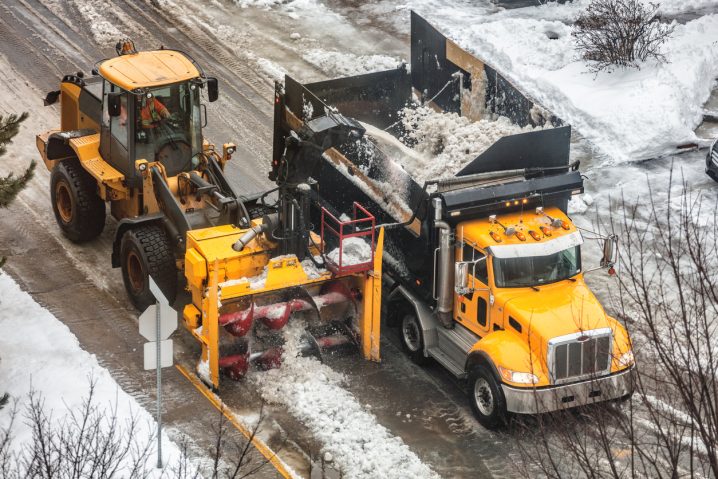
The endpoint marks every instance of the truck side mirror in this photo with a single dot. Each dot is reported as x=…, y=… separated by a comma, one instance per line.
x=610, y=253
x=114, y=107
x=461, y=277
x=212, y=89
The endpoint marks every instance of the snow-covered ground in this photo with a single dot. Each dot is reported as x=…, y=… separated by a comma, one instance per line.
x=350, y=435
x=41, y=356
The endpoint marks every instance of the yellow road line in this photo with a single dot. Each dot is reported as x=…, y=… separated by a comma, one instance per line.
x=261, y=446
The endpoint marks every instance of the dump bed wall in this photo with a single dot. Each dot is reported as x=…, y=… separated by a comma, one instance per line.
x=483, y=91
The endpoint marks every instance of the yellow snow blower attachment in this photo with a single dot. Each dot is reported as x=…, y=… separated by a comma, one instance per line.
x=247, y=284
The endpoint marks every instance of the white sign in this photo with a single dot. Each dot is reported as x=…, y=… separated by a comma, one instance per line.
x=148, y=322
x=166, y=351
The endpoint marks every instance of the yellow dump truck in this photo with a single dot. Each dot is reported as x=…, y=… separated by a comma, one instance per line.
x=483, y=270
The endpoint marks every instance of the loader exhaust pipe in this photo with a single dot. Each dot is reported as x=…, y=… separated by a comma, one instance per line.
x=444, y=279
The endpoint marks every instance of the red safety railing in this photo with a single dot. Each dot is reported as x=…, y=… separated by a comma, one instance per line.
x=336, y=232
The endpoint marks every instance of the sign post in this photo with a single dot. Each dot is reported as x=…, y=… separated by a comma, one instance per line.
x=157, y=323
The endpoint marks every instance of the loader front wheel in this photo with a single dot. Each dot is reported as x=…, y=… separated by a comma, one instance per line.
x=79, y=211
x=145, y=251
x=412, y=338
x=487, y=398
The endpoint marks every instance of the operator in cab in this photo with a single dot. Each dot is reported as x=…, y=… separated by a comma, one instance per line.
x=152, y=111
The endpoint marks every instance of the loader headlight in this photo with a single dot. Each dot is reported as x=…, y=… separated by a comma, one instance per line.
x=626, y=359
x=517, y=376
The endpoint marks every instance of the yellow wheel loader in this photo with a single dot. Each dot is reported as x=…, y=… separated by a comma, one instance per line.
x=131, y=136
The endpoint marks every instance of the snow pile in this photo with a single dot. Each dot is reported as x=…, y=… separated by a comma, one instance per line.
x=273, y=71
x=448, y=142
x=355, y=250
x=628, y=114
x=340, y=64
x=312, y=392
x=40, y=354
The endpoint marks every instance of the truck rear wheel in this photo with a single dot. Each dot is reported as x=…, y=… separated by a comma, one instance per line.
x=79, y=212
x=145, y=251
x=412, y=338
x=487, y=398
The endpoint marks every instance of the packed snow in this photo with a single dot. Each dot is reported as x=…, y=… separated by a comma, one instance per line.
x=354, y=251
x=41, y=355
x=313, y=393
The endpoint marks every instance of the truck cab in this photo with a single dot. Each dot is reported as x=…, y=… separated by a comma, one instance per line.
x=525, y=330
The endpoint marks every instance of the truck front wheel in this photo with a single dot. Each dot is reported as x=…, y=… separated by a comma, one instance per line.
x=145, y=251
x=412, y=338
x=486, y=398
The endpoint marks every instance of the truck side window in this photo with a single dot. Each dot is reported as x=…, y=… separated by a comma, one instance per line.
x=481, y=309
x=472, y=254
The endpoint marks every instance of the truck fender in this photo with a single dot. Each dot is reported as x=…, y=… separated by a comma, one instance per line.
x=127, y=224
x=478, y=357
x=426, y=317
x=507, y=349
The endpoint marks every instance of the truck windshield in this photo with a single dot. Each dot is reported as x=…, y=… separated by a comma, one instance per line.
x=168, y=126
x=537, y=270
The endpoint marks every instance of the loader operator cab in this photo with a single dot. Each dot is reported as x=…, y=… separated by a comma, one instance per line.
x=151, y=110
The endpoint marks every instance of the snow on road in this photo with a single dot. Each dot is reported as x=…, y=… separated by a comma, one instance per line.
x=351, y=436
x=40, y=354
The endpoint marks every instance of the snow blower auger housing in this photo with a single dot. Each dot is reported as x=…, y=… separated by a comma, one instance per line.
x=131, y=136
x=482, y=264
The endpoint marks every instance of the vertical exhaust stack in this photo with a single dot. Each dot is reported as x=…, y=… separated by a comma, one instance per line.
x=444, y=280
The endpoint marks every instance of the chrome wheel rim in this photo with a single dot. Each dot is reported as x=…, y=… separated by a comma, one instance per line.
x=410, y=333
x=483, y=397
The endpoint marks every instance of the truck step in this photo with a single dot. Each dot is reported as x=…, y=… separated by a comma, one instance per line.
x=443, y=359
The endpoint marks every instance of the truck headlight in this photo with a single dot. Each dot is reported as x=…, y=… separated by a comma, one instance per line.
x=626, y=359
x=517, y=376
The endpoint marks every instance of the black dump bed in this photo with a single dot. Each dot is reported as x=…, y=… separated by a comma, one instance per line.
x=349, y=174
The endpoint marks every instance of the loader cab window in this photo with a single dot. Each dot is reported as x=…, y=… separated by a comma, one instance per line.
x=168, y=126
x=114, y=131
x=469, y=253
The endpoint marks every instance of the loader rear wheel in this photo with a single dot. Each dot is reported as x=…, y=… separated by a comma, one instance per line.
x=412, y=338
x=487, y=398
x=79, y=212
x=145, y=251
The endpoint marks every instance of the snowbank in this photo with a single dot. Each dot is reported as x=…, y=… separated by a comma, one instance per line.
x=628, y=114
x=40, y=354
x=312, y=393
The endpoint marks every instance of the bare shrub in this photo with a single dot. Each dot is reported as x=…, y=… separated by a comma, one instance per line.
x=620, y=33
x=668, y=291
x=92, y=441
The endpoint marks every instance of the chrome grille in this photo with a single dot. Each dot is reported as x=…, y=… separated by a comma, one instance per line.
x=580, y=355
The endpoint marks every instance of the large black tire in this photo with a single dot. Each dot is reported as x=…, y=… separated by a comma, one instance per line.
x=412, y=338
x=79, y=211
x=145, y=250
x=487, y=398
